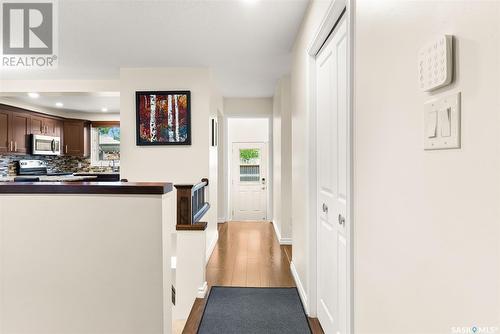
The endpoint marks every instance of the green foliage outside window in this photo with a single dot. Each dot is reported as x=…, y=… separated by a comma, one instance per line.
x=248, y=154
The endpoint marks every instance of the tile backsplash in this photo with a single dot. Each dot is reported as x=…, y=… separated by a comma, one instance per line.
x=55, y=164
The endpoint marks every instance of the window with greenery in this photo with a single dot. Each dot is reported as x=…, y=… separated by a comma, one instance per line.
x=249, y=165
x=105, y=146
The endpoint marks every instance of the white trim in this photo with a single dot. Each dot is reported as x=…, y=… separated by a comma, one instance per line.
x=202, y=290
x=221, y=220
x=211, y=247
x=281, y=240
x=331, y=17
x=300, y=287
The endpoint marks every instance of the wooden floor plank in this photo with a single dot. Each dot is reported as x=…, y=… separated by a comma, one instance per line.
x=247, y=255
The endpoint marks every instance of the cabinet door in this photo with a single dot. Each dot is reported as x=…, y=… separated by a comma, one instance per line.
x=21, y=130
x=37, y=125
x=73, y=138
x=5, y=131
x=52, y=127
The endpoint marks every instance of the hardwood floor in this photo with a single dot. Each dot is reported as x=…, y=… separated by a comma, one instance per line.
x=246, y=255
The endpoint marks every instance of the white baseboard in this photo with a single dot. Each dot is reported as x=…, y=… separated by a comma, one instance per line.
x=211, y=247
x=300, y=287
x=285, y=241
x=221, y=220
x=202, y=290
x=282, y=241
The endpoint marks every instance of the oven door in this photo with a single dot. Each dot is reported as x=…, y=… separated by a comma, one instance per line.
x=46, y=145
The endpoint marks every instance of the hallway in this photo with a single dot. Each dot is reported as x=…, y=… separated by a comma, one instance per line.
x=246, y=255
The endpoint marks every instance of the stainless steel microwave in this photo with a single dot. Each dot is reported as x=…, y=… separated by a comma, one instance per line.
x=45, y=145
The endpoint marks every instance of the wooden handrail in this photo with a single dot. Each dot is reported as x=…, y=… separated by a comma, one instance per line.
x=191, y=205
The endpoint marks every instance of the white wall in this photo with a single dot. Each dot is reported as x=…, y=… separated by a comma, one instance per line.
x=282, y=161
x=85, y=263
x=426, y=224
x=301, y=141
x=177, y=164
x=248, y=107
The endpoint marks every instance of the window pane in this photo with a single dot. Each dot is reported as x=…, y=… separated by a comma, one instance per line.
x=250, y=165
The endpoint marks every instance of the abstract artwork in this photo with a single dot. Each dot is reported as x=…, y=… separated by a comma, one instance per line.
x=163, y=118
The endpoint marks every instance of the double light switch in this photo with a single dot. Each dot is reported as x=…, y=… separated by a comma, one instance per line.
x=442, y=123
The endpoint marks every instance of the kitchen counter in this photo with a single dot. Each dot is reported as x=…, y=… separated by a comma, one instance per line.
x=136, y=188
x=55, y=178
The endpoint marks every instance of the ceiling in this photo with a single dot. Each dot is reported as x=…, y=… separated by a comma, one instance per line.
x=247, y=43
x=72, y=102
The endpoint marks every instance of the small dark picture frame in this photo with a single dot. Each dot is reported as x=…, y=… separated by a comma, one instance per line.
x=163, y=118
x=215, y=132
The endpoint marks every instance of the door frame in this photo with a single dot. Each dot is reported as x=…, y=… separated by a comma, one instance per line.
x=231, y=184
x=336, y=10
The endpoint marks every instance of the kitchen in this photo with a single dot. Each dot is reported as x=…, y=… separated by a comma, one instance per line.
x=60, y=137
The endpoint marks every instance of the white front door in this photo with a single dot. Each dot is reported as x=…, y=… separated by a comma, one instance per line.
x=332, y=143
x=249, y=181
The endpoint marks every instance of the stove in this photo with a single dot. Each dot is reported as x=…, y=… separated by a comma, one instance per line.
x=35, y=168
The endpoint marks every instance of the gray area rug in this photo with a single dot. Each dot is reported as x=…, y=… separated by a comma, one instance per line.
x=253, y=310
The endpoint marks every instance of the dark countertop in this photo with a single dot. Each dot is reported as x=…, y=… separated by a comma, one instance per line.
x=110, y=188
x=54, y=178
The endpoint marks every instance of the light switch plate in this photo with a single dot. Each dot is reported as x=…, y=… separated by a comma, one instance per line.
x=442, y=123
x=435, y=64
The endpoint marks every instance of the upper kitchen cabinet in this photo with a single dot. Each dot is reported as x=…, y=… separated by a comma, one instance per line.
x=21, y=130
x=5, y=131
x=54, y=127
x=46, y=126
x=76, y=139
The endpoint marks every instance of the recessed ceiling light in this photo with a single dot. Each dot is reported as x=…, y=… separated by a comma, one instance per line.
x=59, y=104
x=34, y=95
x=104, y=109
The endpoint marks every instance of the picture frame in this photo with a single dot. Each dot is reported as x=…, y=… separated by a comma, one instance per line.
x=163, y=118
x=215, y=132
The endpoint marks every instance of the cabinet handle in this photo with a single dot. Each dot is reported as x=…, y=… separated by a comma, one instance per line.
x=65, y=148
x=15, y=146
x=11, y=146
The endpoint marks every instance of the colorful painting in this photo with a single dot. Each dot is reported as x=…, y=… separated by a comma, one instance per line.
x=163, y=118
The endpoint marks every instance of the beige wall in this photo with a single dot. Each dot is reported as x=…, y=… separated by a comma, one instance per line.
x=301, y=141
x=177, y=164
x=426, y=223
x=248, y=107
x=282, y=160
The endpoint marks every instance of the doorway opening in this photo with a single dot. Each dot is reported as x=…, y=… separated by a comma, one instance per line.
x=248, y=161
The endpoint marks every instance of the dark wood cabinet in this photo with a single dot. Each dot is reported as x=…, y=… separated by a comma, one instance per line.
x=53, y=127
x=5, y=131
x=21, y=130
x=76, y=141
x=46, y=126
x=17, y=125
